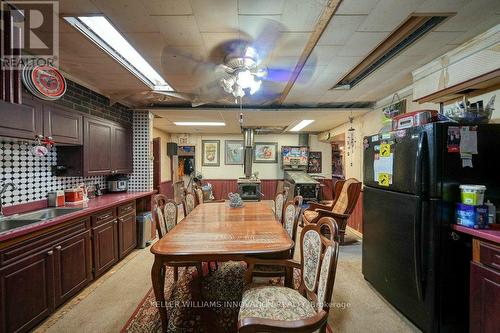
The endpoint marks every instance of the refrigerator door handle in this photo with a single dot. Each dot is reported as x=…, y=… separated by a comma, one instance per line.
x=419, y=163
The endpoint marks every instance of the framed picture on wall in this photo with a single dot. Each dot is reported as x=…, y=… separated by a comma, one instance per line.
x=210, y=152
x=265, y=152
x=314, y=162
x=233, y=152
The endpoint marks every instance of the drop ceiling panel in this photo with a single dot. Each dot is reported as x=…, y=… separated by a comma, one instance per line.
x=436, y=6
x=353, y=7
x=168, y=7
x=212, y=40
x=431, y=42
x=261, y=7
x=362, y=43
x=260, y=26
x=149, y=44
x=322, y=54
x=389, y=14
x=291, y=44
x=341, y=29
x=302, y=15
x=179, y=30
x=127, y=15
x=216, y=15
x=472, y=14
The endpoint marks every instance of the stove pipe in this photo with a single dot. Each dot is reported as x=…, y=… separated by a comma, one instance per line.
x=303, y=139
x=248, y=141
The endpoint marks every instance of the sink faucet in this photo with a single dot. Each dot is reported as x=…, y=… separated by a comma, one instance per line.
x=2, y=191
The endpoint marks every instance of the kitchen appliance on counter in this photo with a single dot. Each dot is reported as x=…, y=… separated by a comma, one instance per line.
x=411, y=255
x=77, y=195
x=294, y=161
x=117, y=183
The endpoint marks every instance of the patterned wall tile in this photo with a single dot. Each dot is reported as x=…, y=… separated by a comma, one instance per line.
x=142, y=177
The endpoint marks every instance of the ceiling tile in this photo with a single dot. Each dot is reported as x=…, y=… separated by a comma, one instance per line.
x=261, y=7
x=430, y=42
x=168, y=7
x=126, y=15
x=436, y=6
x=302, y=15
x=340, y=29
x=473, y=14
x=212, y=40
x=389, y=14
x=260, y=26
x=362, y=43
x=322, y=54
x=291, y=44
x=148, y=44
x=356, y=7
x=80, y=7
x=179, y=30
x=216, y=15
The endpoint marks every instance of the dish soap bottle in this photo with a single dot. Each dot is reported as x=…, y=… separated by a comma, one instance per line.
x=491, y=212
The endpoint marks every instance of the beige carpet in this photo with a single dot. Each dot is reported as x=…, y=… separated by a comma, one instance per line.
x=107, y=303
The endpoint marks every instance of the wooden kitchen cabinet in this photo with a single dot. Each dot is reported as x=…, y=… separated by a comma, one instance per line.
x=27, y=289
x=73, y=266
x=128, y=234
x=63, y=125
x=22, y=121
x=485, y=288
x=121, y=148
x=105, y=246
x=97, y=147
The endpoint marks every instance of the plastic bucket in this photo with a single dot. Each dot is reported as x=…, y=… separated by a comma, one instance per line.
x=472, y=195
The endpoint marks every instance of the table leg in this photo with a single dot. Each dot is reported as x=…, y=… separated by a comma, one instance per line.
x=289, y=277
x=158, y=279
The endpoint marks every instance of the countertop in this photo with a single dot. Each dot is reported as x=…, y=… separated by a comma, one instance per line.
x=486, y=234
x=92, y=206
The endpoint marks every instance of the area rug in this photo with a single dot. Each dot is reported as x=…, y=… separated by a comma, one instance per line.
x=195, y=304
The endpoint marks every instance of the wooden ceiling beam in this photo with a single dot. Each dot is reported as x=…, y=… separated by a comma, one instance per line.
x=323, y=21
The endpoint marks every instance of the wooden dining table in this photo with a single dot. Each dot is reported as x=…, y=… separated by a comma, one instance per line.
x=217, y=232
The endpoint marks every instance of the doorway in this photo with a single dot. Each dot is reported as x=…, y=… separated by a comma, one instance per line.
x=156, y=164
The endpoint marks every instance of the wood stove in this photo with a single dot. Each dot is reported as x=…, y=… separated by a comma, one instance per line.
x=249, y=189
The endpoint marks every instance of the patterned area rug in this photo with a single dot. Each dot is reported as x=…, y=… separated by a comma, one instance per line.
x=195, y=304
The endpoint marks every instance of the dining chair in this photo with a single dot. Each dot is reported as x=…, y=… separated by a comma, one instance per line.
x=165, y=217
x=298, y=200
x=200, y=199
x=188, y=203
x=279, y=202
x=274, y=308
x=290, y=226
x=178, y=189
x=347, y=194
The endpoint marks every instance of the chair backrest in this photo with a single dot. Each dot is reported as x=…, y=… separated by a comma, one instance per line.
x=178, y=191
x=164, y=215
x=189, y=203
x=319, y=262
x=290, y=219
x=199, y=195
x=348, y=196
x=279, y=202
x=298, y=201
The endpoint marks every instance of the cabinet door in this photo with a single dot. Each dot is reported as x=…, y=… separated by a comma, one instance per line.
x=122, y=150
x=64, y=126
x=73, y=266
x=128, y=234
x=21, y=121
x=484, y=299
x=105, y=245
x=27, y=292
x=97, y=147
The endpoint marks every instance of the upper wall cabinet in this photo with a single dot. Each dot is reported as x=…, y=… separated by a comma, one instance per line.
x=63, y=125
x=97, y=147
x=21, y=121
x=121, y=149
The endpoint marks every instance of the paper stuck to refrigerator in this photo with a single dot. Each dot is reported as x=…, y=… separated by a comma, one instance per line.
x=383, y=166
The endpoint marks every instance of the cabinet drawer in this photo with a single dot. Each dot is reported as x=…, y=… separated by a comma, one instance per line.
x=46, y=240
x=126, y=208
x=103, y=217
x=489, y=255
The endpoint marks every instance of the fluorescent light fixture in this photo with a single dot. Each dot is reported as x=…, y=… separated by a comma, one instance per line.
x=301, y=125
x=199, y=123
x=99, y=30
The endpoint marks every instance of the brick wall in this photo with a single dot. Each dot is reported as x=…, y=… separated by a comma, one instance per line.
x=85, y=100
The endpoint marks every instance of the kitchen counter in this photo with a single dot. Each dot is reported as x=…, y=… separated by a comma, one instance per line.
x=93, y=205
x=485, y=234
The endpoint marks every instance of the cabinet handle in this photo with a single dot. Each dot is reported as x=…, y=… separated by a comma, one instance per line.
x=120, y=220
x=50, y=253
x=115, y=221
x=58, y=248
x=103, y=217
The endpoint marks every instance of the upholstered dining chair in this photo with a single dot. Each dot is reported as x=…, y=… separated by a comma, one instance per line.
x=188, y=203
x=165, y=216
x=346, y=197
x=200, y=198
x=271, y=308
x=290, y=225
x=279, y=202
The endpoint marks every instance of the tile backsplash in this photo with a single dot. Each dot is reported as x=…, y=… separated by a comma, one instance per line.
x=31, y=174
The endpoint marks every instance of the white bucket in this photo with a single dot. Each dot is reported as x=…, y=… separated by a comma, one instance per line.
x=472, y=195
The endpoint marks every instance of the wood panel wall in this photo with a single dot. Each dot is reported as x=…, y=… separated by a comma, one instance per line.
x=222, y=187
x=356, y=219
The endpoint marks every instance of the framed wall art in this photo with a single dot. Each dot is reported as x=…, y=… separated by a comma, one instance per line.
x=314, y=162
x=265, y=152
x=233, y=152
x=210, y=152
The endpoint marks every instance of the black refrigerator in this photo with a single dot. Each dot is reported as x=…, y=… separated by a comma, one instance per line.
x=411, y=256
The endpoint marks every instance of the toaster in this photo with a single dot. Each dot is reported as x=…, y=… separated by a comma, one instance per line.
x=117, y=183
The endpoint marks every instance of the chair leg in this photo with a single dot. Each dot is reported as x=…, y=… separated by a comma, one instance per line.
x=199, y=269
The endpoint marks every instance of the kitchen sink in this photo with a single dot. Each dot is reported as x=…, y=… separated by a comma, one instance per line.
x=17, y=221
